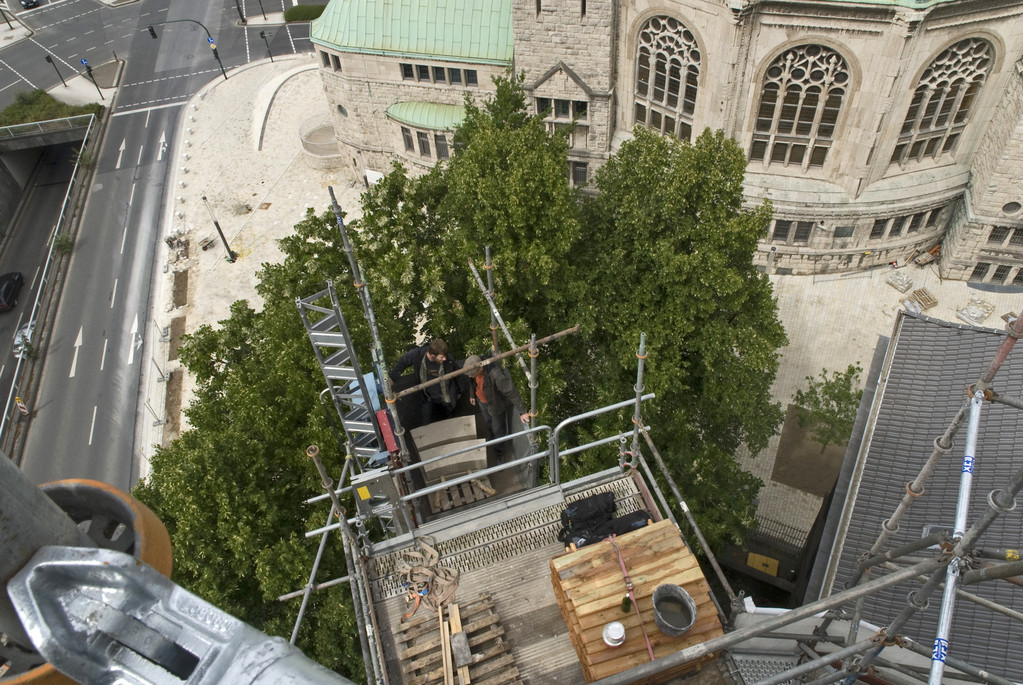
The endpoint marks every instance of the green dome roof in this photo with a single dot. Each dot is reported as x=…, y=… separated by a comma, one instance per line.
x=428, y=115
x=453, y=30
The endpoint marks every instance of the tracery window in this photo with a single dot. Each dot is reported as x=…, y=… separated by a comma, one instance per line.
x=667, y=74
x=799, y=107
x=941, y=102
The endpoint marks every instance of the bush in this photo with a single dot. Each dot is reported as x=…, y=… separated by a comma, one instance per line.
x=38, y=105
x=62, y=243
x=303, y=12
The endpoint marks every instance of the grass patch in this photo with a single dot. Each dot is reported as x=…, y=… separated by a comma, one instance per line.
x=40, y=106
x=303, y=12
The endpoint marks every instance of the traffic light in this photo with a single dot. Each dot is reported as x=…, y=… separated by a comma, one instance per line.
x=152, y=31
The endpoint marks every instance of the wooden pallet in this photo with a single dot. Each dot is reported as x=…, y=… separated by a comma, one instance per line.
x=589, y=587
x=463, y=493
x=420, y=649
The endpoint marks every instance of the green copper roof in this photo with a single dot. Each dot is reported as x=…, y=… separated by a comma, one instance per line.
x=429, y=115
x=463, y=30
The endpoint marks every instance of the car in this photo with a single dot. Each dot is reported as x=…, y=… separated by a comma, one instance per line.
x=29, y=4
x=23, y=337
x=10, y=286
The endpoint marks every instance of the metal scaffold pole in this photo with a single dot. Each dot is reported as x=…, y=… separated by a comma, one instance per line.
x=378, y=348
x=488, y=266
x=952, y=571
x=496, y=315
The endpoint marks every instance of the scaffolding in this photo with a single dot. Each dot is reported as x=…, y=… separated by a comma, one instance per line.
x=825, y=634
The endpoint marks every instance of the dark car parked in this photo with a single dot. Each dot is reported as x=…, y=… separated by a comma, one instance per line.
x=10, y=286
x=29, y=4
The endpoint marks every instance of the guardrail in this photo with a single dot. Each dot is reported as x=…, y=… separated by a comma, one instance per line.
x=10, y=410
x=64, y=124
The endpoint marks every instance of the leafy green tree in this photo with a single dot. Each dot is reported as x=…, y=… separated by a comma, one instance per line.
x=504, y=188
x=669, y=253
x=829, y=405
x=230, y=488
x=664, y=249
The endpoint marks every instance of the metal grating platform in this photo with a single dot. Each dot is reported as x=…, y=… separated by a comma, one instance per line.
x=496, y=543
x=756, y=667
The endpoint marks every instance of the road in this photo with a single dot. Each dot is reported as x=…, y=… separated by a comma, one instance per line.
x=28, y=242
x=83, y=421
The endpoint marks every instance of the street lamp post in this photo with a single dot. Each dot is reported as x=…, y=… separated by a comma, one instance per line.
x=262, y=10
x=9, y=21
x=209, y=38
x=231, y=256
x=262, y=34
x=50, y=60
x=238, y=7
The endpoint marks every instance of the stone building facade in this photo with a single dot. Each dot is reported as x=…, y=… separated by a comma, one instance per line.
x=881, y=131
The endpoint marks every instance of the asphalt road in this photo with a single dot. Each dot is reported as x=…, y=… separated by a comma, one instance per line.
x=28, y=243
x=83, y=420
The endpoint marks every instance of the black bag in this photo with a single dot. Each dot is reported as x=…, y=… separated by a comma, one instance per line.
x=585, y=513
x=601, y=530
x=630, y=522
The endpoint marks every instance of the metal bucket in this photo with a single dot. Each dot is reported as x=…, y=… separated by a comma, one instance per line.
x=674, y=610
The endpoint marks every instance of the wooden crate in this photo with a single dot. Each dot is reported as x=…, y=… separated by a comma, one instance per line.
x=419, y=646
x=463, y=493
x=589, y=587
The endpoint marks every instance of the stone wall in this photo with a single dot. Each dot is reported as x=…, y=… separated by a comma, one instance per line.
x=587, y=50
x=362, y=89
x=10, y=194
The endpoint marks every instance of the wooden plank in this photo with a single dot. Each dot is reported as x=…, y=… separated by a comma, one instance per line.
x=638, y=538
x=431, y=652
x=586, y=606
x=635, y=543
x=505, y=677
x=591, y=631
x=449, y=676
x=589, y=587
x=425, y=624
x=645, y=579
x=486, y=657
x=433, y=641
x=497, y=662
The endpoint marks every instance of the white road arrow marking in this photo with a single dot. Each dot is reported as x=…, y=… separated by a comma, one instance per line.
x=120, y=151
x=163, y=145
x=133, y=346
x=74, y=360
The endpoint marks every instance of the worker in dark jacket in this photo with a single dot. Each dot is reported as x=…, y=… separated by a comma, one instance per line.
x=492, y=390
x=429, y=362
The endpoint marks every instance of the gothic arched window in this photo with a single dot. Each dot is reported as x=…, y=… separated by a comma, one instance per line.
x=799, y=106
x=667, y=72
x=942, y=100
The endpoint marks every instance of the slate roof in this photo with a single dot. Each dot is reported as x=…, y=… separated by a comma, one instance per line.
x=452, y=30
x=929, y=366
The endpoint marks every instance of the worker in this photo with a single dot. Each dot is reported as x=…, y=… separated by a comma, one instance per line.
x=492, y=390
x=428, y=362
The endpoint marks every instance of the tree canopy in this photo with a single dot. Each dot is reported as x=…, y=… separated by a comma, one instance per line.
x=829, y=404
x=663, y=247
x=669, y=252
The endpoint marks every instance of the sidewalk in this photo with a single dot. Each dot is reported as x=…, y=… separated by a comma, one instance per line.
x=238, y=146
